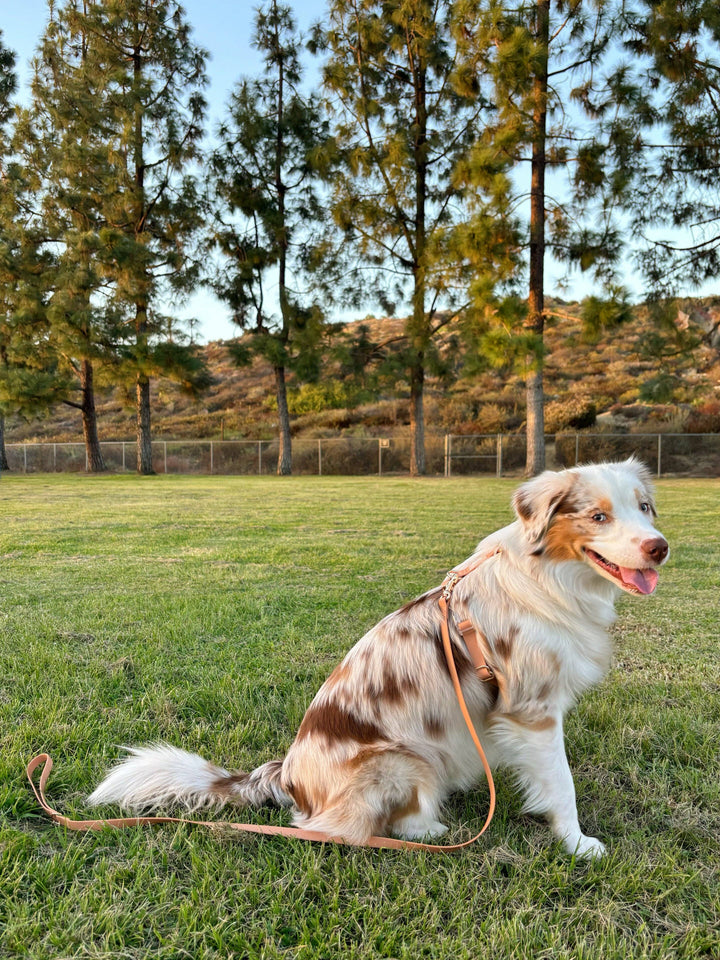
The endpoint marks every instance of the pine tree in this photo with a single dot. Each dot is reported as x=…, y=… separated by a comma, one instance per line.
x=119, y=94
x=541, y=73
x=64, y=141
x=155, y=108
x=29, y=377
x=407, y=107
x=268, y=212
x=110, y=139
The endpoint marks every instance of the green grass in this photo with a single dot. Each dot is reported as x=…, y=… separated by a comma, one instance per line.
x=207, y=611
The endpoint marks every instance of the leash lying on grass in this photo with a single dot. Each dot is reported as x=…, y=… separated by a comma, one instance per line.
x=476, y=645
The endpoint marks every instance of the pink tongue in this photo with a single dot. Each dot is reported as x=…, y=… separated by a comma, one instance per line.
x=643, y=580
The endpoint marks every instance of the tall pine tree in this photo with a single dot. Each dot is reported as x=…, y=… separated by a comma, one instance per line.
x=544, y=56
x=110, y=139
x=268, y=212
x=120, y=107
x=406, y=107
x=64, y=142
x=30, y=378
x=155, y=107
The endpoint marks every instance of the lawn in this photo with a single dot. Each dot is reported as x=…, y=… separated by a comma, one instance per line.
x=207, y=611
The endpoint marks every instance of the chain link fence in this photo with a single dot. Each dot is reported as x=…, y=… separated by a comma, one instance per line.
x=352, y=456
x=692, y=455
x=679, y=454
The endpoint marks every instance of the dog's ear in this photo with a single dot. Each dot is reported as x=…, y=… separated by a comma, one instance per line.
x=641, y=471
x=645, y=479
x=537, y=501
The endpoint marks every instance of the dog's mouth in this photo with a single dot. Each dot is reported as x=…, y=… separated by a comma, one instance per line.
x=642, y=581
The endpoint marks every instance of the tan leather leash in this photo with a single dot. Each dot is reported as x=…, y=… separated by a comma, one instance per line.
x=475, y=646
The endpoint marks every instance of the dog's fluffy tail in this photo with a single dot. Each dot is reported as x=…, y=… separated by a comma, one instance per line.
x=160, y=775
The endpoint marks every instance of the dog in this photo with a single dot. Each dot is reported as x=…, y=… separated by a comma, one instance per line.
x=383, y=743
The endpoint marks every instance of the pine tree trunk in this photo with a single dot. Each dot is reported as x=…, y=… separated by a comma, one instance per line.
x=4, y=465
x=284, y=463
x=142, y=396
x=417, y=421
x=142, y=381
x=93, y=453
x=420, y=322
x=535, y=424
x=419, y=333
x=535, y=462
x=144, y=436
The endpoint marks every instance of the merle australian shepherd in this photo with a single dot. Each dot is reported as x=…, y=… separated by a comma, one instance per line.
x=383, y=743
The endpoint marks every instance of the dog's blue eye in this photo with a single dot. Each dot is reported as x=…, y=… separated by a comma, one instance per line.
x=599, y=517
x=645, y=507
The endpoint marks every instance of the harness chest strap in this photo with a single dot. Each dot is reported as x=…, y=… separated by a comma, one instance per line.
x=475, y=641
x=472, y=637
x=472, y=640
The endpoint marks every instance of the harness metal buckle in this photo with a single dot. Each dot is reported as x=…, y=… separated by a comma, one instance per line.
x=449, y=584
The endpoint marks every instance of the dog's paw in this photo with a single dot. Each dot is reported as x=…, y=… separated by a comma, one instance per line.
x=415, y=829
x=587, y=848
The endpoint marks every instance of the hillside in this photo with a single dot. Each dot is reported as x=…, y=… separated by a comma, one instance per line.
x=607, y=378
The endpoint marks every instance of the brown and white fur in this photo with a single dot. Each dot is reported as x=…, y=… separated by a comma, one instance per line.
x=383, y=743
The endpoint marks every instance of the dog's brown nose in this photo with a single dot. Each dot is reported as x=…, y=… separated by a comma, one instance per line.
x=655, y=549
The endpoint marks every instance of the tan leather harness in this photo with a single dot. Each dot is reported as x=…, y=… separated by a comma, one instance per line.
x=477, y=647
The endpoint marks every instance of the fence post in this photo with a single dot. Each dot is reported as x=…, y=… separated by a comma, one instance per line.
x=24, y=458
x=659, y=466
x=212, y=458
x=259, y=458
x=448, y=454
x=165, y=454
x=498, y=456
x=319, y=457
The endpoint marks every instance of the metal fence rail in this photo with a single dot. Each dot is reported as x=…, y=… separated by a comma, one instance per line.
x=692, y=455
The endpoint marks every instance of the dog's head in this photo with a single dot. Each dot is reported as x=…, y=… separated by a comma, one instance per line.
x=602, y=515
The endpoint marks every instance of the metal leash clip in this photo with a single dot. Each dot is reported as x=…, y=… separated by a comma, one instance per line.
x=449, y=584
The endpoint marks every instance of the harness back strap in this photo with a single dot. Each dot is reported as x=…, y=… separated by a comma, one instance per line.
x=485, y=673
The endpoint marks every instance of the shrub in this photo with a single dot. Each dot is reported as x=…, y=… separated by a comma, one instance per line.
x=659, y=389
x=576, y=412
x=705, y=418
x=491, y=418
x=326, y=395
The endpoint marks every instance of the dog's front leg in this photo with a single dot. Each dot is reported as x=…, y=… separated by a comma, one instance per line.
x=534, y=749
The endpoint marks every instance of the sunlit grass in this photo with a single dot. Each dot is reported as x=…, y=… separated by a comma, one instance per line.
x=206, y=611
